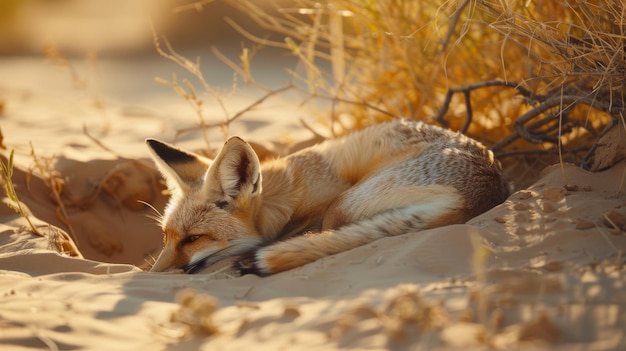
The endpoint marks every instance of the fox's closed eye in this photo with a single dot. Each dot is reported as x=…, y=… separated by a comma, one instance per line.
x=189, y=239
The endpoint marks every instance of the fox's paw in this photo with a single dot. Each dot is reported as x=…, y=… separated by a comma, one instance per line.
x=276, y=258
x=250, y=264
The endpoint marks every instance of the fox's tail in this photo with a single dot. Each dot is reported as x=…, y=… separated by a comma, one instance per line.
x=300, y=250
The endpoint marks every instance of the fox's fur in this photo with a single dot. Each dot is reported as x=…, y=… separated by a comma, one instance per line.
x=388, y=179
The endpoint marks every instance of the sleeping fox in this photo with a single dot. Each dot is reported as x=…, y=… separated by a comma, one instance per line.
x=388, y=179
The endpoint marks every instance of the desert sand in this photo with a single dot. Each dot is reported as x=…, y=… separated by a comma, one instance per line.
x=542, y=270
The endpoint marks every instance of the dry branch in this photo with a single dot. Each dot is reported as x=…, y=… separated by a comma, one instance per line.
x=466, y=90
x=237, y=115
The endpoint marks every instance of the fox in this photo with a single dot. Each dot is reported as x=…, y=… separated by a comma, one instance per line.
x=388, y=179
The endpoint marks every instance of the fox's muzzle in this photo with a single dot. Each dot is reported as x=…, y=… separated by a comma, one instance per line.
x=210, y=259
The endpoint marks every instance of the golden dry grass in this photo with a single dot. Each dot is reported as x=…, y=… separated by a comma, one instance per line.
x=537, y=74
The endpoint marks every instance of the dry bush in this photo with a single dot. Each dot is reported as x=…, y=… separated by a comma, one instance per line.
x=575, y=65
x=530, y=76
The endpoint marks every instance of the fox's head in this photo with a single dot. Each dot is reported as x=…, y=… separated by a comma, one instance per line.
x=208, y=217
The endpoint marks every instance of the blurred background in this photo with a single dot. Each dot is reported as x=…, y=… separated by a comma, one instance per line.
x=119, y=34
x=113, y=27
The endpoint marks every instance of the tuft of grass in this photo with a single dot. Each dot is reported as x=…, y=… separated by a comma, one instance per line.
x=57, y=239
x=55, y=182
x=13, y=201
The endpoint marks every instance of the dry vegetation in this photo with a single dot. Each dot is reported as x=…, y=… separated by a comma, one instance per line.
x=57, y=239
x=530, y=79
x=12, y=200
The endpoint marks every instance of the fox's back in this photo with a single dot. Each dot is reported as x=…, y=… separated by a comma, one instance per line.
x=413, y=153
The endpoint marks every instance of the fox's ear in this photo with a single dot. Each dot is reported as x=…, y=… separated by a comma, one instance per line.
x=181, y=169
x=235, y=171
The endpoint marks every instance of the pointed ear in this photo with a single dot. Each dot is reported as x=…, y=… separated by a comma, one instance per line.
x=235, y=171
x=181, y=169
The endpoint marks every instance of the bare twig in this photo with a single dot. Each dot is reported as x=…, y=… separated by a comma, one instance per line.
x=529, y=126
x=351, y=102
x=466, y=90
x=244, y=72
x=238, y=114
x=522, y=152
x=454, y=19
x=567, y=102
x=98, y=142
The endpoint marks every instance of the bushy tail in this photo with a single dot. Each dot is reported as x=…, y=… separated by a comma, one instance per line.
x=300, y=250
